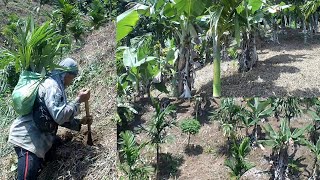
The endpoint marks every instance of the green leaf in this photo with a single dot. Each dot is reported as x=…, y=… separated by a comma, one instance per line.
x=270, y=130
x=314, y=115
x=300, y=131
x=190, y=7
x=237, y=29
x=129, y=57
x=240, y=8
x=266, y=112
x=127, y=21
x=255, y=4
x=270, y=143
x=161, y=87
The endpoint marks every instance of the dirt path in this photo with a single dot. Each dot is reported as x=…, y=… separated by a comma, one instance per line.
x=291, y=68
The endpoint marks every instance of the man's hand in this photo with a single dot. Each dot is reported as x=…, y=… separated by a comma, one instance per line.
x=84, y=95
x=86, y=120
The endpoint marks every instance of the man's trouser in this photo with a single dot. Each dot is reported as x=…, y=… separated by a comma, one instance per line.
x=29, y=165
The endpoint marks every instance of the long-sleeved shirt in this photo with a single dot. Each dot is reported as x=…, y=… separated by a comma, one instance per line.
x=25, y=134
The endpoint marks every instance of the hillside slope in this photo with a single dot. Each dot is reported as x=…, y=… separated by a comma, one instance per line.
x=75, y=159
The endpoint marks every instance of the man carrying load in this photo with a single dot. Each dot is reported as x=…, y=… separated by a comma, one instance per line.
x=33, y=134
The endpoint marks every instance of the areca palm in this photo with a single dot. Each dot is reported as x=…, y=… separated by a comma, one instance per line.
x=37, y=47
x=130, y=152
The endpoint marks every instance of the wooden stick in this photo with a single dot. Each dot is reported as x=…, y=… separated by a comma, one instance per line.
x=89, y=140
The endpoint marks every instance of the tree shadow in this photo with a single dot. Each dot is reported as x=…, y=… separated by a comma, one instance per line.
x=193, y=150
x=71, y=161
x=291, y=41
x=223, y=149
x=169, y=165
x=260, y=81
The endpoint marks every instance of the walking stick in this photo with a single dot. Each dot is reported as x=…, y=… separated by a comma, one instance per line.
x=89, y=140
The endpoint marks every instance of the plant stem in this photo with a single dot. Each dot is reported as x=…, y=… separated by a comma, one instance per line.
x=216, y=66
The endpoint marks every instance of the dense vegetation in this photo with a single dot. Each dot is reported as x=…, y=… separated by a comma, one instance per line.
x=161, y=43
x=34, y=37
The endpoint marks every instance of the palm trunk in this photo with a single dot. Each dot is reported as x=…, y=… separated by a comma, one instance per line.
x=304, y=31
x=216, y=67
x=315, y=169
x=281, y=167
x=158, y=161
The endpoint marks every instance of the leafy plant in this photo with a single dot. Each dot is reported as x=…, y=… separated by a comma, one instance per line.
x=190, y=127
x=315, y=148
x=258, y=109
x=133, y=166
x=37, y=47
x=288, y=106
x=158, y=126
x=77, y=28
x=237, y=162
x=228, y=115
x=280, y=141
x=97, y=13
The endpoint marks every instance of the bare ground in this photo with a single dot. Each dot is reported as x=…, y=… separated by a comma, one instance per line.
x=291, y=68
x=204, y=159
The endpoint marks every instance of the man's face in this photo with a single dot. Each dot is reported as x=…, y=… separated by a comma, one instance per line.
x=68, y=78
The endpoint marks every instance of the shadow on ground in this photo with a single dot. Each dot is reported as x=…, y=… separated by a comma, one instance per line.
x=169, y=165
x=193, y=150
x=259, y=81
x=72, y=161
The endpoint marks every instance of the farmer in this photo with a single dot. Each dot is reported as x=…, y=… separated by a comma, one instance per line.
x=33, y=135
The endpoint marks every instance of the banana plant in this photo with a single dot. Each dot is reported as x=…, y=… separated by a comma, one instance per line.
x=237, y=162
x=180, y=16
x=130, y=151
x=258, y=109
x=280, y=141
x=158, y=126
x=310, y=15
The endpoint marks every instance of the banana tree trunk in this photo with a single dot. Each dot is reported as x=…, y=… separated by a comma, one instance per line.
x=304, y=31
x=311, y=27
x=183, y=68
x=275, y=37
x=316, y=20
x=183, y=88
x=216, y=68
x=248, y=57
x=282, y=164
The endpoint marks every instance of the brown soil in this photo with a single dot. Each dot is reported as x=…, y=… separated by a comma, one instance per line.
x=291, y=68
x=205, y=157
